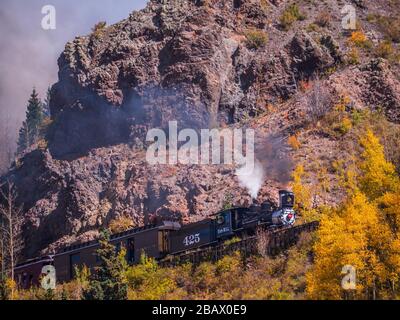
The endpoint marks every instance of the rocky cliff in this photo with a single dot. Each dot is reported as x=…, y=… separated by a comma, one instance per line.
x=193, y=61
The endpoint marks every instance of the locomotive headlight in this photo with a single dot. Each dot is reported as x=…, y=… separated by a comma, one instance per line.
x=288, y=216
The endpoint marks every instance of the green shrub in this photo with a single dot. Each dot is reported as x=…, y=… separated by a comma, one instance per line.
x=312, y=27
x=99, y=28
x=390, y=26
x=344, y=126
x=353, y=57
x=323, y=19
x=290, y=15
x=256, y=39
x=384, y=50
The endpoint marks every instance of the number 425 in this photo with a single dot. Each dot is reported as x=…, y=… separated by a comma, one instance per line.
x=192, y=239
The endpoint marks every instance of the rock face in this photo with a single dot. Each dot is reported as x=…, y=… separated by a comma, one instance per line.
x=373, y=84
x=175, y=60
x=186, y=61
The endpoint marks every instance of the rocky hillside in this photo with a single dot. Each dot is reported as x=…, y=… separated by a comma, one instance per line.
x=205, y=63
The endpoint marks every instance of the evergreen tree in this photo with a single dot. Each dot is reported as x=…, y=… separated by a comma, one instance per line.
x=34, y=116
x=23, y=139
x=30, y=129
x=108, y=281
x=46, y=104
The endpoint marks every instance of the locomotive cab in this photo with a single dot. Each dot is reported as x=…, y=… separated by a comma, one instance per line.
x=224, y=224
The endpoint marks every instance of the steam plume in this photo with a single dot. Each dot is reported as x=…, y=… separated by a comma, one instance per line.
x=273, y=162
x=253, y=179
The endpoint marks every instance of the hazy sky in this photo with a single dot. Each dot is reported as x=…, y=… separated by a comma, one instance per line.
x=28, y=54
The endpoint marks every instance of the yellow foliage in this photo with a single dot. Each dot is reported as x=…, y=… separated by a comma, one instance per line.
x=378, y=176
x=345, y=125
x=338, y=121
x=12, y=287
x=363, y=232
x=359, y=39
x=391, y=204
x=232, y=241
x=290, y=15
x=147, y=281
x=232, y=277
x=304, y=193
x=99, y=28
x=121, y=224
x=353, y=235
x=294, y=142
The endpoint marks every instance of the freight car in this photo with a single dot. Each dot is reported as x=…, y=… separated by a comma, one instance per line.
x=29, y=273
x=166, y=238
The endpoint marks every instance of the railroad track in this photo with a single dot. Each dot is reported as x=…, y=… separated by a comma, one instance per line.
x=276, y=241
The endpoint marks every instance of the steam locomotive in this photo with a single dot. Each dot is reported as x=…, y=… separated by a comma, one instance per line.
x=165, y=238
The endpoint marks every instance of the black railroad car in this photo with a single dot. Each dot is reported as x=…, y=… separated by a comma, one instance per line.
x=73, y=256
x=151, y=240
x=192, y=236
x=29, y=273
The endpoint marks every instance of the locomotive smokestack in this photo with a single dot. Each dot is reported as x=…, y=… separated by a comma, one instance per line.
x=286, y=199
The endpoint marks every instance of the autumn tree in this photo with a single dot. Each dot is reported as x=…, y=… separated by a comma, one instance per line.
x=120, y=224
x=351, y=235
x=6, y=142
x=5, y=292
x=11, y=228
x=304, y=195
x=148, y=281
x=363, y=232
x=378, y=176
x=108, y=280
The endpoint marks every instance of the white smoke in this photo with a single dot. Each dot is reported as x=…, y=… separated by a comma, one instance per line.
x=251, y=178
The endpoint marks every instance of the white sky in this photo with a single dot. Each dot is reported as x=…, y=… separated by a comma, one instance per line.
x=28, y=54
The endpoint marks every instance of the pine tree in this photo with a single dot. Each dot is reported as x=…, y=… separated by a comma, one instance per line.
x=30, y=129
x=46, y=104
x=34, y=116
x=23, y=139
x=108, y=281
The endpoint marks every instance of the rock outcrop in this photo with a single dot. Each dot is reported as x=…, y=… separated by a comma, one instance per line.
x=175, y=60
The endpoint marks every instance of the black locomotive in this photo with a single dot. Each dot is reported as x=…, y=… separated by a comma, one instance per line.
x=165, y=238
